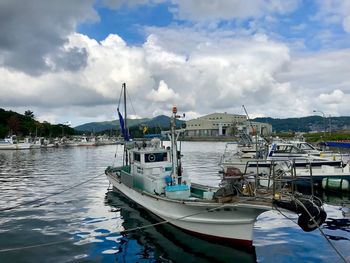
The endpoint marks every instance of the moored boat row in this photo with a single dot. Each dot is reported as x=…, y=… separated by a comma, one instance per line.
x=12, y=143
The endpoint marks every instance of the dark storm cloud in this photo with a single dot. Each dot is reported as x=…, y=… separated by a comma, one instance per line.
x=58, y=94
x=34, y=32
x=72, y=59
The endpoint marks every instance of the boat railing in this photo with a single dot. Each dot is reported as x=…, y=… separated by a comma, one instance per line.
x=281, y=173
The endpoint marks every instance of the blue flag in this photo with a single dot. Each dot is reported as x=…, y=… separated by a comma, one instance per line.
x=122, y=127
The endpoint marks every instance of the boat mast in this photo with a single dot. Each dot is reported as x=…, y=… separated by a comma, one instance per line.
x=125, y=120
x=174, y=144
x=126, y=126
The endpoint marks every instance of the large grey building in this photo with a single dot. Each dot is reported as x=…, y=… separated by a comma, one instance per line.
x=224, y=124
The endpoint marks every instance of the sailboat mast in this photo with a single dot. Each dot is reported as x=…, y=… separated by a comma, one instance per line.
x=126, y=127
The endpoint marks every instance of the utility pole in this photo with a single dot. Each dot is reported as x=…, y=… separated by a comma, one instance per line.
x=324, y=121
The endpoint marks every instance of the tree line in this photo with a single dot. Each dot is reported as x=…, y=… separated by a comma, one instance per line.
x=13, y=123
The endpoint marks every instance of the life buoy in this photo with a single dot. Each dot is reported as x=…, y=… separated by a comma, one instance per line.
x=308, y=223
x=151, y=157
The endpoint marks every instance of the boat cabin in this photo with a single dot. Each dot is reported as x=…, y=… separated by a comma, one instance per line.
x=285, y=150
x=151, y=170
x=305, y=146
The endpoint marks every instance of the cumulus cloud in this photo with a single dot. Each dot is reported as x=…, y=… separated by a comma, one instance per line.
x=115, y=4
x=207, y=77
x=63, y=73
x=334, y=12
x=163, y=94
x=212, y=73
x=324, y=73
x=33, y=34
x=225, y=10
x=335, y=97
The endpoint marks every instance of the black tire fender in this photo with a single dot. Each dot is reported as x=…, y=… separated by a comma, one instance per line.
x=307, y=224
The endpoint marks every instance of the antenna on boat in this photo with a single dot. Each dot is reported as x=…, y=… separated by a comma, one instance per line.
x=174, y=143
x=176, y=156
x=256, y=144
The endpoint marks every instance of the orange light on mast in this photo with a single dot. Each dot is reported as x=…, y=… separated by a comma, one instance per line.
x=174, y=109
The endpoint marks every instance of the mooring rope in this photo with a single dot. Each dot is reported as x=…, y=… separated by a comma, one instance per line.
x=50, y=195
x=319, y=228
x=105, y=235
x=33, y=246
x=115, y=154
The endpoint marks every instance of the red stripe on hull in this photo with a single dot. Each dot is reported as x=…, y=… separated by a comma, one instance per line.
x=246, y=244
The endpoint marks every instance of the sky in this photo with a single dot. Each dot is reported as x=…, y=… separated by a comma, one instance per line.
x=66, y=60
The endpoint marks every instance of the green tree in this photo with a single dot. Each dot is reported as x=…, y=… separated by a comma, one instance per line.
x=29, y=113
x=13, y=124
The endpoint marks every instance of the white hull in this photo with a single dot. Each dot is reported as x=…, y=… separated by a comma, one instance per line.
x=265, y=166
x=234, y=221
x=86, y=144
x=19, y=146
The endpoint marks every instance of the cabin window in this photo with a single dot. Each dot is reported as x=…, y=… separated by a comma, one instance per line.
x=156, y=157
x=137, y=157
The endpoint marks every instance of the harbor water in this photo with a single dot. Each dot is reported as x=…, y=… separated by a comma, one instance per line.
x=77, y=217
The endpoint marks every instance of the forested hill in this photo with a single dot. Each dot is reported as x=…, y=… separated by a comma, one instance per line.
x=306, y=124
x=160, y=121
x=13, y=123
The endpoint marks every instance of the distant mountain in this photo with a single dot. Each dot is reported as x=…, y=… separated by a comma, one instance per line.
x=303, y=124
x=307, y=124
x=160, y=121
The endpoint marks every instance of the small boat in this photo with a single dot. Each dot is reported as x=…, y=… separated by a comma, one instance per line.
x=85, y=141
x=313, y=151
x=36, y=143
x=152, y=176
x=291, y=163
x=64, y=142
x=11, y=143
x=248, y=162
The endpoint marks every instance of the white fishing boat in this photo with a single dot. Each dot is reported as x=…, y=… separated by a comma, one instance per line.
x=11, y=143
x=261, y=160
x=290, y=163
x=152, y=176
x=36, y=143
x=312, y=150
x=87, y=141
